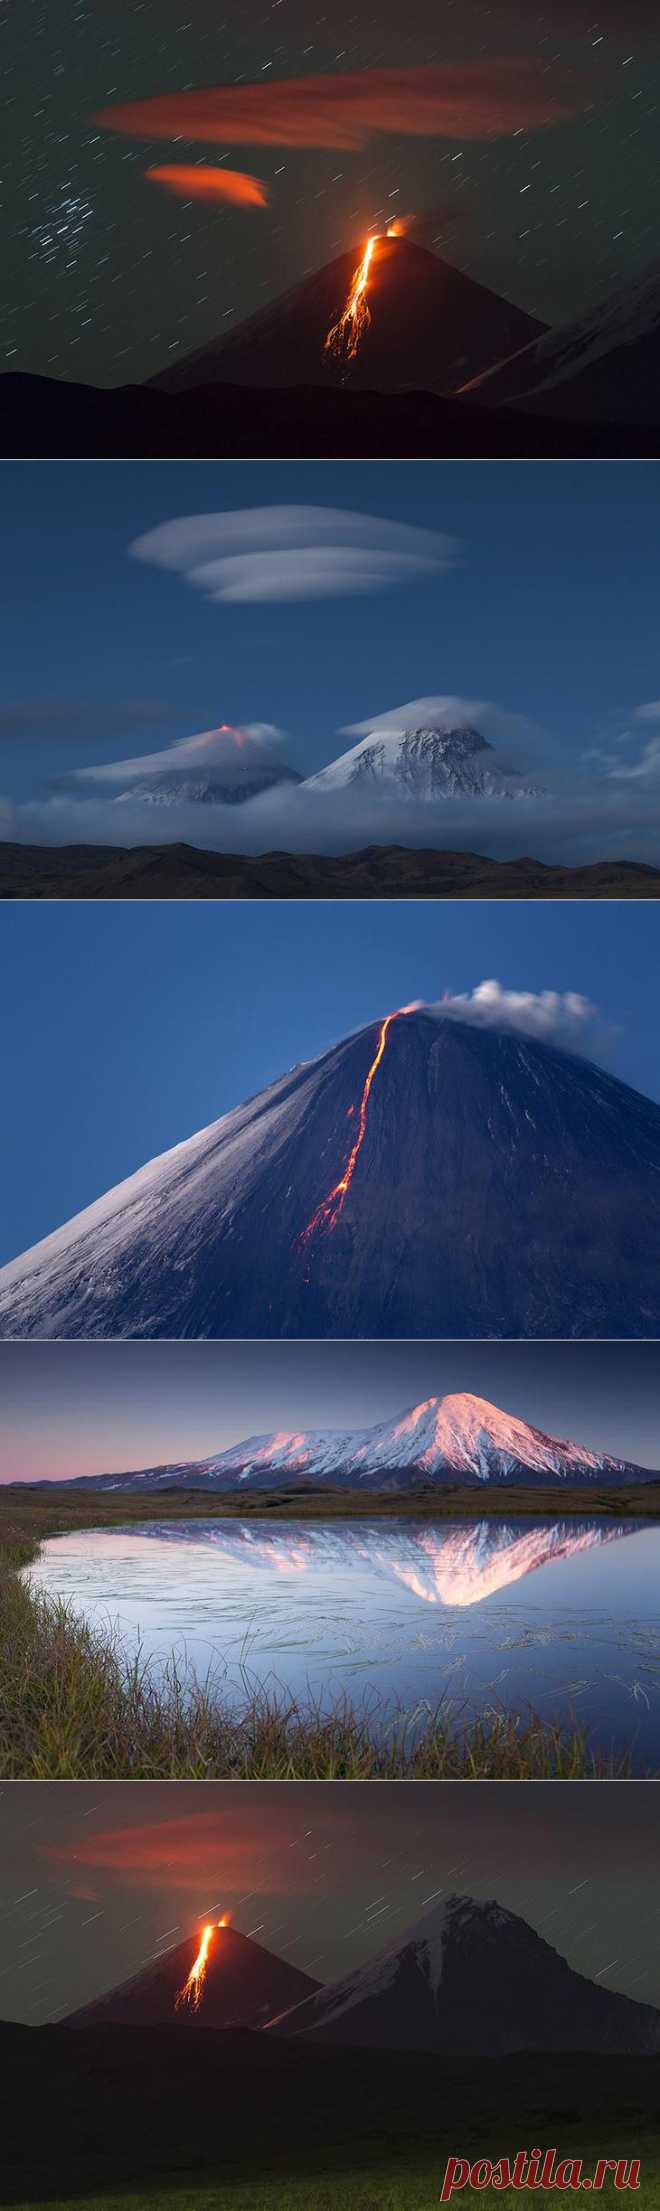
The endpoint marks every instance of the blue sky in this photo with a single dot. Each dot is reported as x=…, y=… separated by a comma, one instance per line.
x=128, y=1027
x=551, y=611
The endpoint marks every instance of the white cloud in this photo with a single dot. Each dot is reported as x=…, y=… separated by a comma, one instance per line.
x=288, y=553
x=650, y=713
x=563, y=1017
x=599, y=820
x=448, y=711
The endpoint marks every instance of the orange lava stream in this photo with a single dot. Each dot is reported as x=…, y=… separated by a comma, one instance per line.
x=344, y=337
x=192, y=1990
x=327, y=1213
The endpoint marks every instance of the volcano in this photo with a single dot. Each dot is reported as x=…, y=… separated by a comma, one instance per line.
x=243, y=1986
x=474, y=1978
x=221, y=766
x=433, y=763
x=442, y=1441
x=426, y=1176
x=604, y=366
x=430, y=329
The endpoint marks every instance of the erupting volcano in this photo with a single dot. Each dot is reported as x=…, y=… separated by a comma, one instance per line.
x=498, y=1186
x=219, y=1979
x=402, y=320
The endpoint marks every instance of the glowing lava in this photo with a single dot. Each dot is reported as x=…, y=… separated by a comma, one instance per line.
x=345, y=336
x=192, y=1991
x=327, y=1213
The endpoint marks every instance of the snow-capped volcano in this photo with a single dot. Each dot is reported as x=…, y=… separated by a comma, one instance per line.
x=444, y=1440
x=425, y=763
x=221, y=766
x=604, y=365
x=474, y=1978
x=426, y=1176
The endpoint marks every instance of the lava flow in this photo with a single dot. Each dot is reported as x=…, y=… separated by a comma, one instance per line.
x=192, y=1990
x=327, y=1213
x=345, y=336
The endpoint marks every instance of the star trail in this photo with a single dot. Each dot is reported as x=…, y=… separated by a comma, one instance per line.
x=108, y=280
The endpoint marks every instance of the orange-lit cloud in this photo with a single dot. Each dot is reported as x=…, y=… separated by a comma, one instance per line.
x=204, y=183
x=460, y=100
x=231, y=1850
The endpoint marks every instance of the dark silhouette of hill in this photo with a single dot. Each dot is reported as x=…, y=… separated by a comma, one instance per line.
x=99, y=2110
x=46, y=417
x=378, y=871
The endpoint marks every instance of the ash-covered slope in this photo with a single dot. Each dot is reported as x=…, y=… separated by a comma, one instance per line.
x=475, y=1978
x=430, y=329
x=457, y=1438
x=242, y=1985
x=433, y=763
x=604, y=366
x=221, y=766
x=424, y=1177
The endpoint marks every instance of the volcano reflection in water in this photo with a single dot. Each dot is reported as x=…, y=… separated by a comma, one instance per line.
x=559, y=1614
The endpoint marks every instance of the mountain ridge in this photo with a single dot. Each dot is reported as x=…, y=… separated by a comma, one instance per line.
x=473, y=1976
x=456, y=1437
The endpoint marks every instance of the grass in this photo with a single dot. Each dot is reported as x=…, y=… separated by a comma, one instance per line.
x=74, y=1706
x=412, y=2190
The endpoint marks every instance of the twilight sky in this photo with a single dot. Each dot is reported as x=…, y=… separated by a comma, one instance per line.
x=101, y=1408
x=129, y=1027
x=109, y=276
x=97, y=1879
x=541, y=602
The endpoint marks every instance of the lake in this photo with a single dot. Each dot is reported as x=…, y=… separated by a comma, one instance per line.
x=562, y=1615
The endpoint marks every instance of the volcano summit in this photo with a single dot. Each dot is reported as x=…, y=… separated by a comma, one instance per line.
x=426, y=1176
x=429, y=328
x=475, y=1978
x=458, y=1438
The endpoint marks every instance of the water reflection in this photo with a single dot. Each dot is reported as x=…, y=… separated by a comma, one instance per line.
x=559, y=1614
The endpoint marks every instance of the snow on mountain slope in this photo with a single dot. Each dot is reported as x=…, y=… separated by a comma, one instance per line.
x=432, y=763
x=424, y=1177
x=445, y=1439
x=473, y=1977
x=223, y=766
x=604, y=364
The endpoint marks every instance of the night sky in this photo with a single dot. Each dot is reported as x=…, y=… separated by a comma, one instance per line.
x=547, y=608
x=133, y=1031
x=97, y=1879
x=109, y=278
x=99, y=1408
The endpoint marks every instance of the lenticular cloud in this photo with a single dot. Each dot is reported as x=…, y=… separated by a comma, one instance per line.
x=475, y=100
